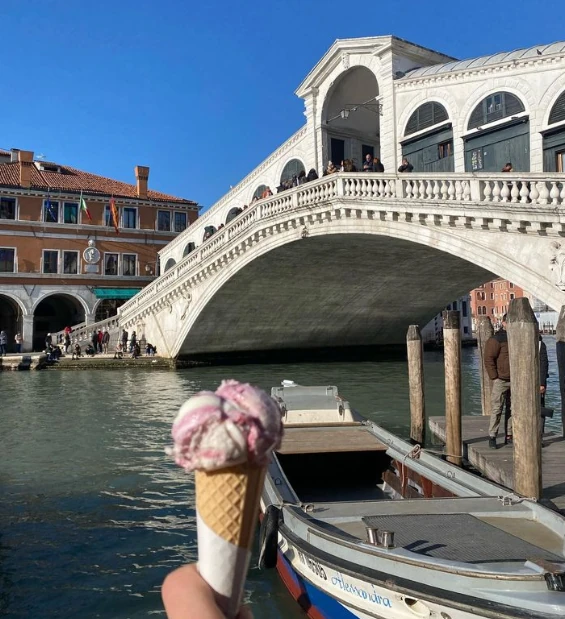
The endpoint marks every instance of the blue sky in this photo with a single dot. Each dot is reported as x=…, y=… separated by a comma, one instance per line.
x=203, y=92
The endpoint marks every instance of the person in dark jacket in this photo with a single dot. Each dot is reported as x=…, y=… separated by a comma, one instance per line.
x=378, y=166
x=405, y=166
x=497, y=365
x=312, y=175
x=543, y=369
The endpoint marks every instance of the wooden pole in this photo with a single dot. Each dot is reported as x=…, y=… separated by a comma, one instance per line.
x=560, y=350
x=416, y=384
x=452, y=357
x=523, y=349
x=485, y=330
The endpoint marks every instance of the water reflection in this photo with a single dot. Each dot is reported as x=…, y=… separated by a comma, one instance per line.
x=94, y=514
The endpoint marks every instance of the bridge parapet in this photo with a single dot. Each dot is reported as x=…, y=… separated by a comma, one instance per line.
x=509, y=201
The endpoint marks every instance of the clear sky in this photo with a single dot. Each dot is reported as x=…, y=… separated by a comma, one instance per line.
x=203, y=91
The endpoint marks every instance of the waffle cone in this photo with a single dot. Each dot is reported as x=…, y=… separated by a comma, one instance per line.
x=228, y=499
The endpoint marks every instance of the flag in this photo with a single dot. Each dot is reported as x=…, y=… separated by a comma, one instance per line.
x=83, y=207
x=49, y=209
x=115, y=216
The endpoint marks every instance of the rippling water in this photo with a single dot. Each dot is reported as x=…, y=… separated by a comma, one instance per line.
x=93, y=515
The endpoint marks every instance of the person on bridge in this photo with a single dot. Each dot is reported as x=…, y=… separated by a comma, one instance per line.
x=378, y=166
x=368, y=163
x=105, y=340
x=125, y=336
x=405, y=166
x=507, y=168
x=497, y=365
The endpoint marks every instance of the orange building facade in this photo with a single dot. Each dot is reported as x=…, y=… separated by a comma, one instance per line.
x=74, y=246
x=492, y=299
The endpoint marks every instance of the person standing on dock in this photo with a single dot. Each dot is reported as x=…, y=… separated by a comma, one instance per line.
x=497, y=365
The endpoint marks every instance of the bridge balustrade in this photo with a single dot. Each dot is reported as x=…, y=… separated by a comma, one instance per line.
x=531, y=189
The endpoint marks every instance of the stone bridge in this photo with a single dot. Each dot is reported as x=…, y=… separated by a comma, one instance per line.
x=353, y=259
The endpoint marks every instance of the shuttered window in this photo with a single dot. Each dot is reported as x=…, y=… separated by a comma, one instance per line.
x=427, y=115
x=495, y=107
x=557, y=114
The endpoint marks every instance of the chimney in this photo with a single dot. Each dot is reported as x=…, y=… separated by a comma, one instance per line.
x=141, y=176
x=25, y=158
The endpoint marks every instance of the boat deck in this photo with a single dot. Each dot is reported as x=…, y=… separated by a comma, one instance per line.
x=302, y=439
x=498, y=464
x=449, y=528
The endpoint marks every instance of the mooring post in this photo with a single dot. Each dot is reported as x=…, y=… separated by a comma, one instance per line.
x=560, y=350
x=416, y=384
x=523, y=349
x=452, y=357
x=485, y=330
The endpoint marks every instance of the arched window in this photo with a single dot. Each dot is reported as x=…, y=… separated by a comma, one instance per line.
x=557, y=113
x=427, y=115
x=495, y=107
x=293, y=168
x=232, y=214
x=259, y=192
x=190, y=247
x=169, y=264
x=208, y=232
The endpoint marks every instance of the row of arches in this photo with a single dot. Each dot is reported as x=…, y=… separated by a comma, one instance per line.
x=498, y=132
x=50, y=314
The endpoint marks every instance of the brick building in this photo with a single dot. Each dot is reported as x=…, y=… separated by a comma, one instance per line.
x=66, y=261
x=493, y=298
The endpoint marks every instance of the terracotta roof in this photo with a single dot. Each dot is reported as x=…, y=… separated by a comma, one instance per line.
x=73, y=180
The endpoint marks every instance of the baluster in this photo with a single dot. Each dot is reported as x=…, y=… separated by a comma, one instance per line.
x=554, y=194
x=534, y=193
x=524, y=192
x=436, y=190
x=391, y=188
x=487, y=191
x=505, y=192
x=444, y=194
x=562, y=194
x=429, y=190
x=458, y=191
x=544, y=193
x=515, y=192
x=466, y=190
x=496, y=191
x=422, y=189
x=451, y=189
x=381, y=190
x=410, y=189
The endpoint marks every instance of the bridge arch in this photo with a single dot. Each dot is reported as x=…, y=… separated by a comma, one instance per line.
x=468, y=263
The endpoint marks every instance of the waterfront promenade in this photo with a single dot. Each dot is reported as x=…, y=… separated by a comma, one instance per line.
x=498, y=464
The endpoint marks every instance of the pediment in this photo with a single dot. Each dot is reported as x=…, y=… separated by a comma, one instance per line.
x=338, y=53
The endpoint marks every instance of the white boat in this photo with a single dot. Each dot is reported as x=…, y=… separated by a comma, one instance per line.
x=362, y=524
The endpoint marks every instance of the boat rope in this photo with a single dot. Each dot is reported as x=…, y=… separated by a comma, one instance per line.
x=414, y=454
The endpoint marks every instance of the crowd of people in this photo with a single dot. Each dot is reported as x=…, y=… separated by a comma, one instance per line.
x=370, y=164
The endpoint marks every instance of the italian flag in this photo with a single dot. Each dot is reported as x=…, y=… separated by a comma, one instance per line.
x=83, y=207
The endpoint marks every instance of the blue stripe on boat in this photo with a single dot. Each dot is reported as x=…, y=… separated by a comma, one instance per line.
x=322, y=602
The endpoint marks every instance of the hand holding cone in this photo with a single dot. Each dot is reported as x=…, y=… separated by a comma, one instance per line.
x=227, y=437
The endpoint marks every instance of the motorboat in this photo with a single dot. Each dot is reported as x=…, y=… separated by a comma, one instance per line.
x=361, y=523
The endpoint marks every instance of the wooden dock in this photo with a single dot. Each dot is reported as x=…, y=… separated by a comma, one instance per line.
x=497, y=465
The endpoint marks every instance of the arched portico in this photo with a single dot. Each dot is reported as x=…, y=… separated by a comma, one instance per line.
x=53, y=312
x=11, y=318
x=351, y=118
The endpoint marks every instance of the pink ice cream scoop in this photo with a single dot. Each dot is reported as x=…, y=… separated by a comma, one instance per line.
x=237, y=423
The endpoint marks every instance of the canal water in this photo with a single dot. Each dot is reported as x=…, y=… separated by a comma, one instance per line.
x=93, y=514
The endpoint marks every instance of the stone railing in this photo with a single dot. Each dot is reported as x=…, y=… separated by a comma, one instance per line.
x=83, y=332
x=533, y=192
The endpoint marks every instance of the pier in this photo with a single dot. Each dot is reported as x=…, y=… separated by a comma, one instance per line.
x=498, y=464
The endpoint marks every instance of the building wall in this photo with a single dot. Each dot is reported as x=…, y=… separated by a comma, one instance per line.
x=23, y=290
x=433, y=331
x=492, y=299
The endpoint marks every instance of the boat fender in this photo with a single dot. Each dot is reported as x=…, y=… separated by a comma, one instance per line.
x=268, y=538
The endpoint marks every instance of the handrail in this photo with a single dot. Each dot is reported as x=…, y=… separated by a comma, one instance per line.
x=471, y=189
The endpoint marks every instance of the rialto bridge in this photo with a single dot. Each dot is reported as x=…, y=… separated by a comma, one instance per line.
x=352, y=259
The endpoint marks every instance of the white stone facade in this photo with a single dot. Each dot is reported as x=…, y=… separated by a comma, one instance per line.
x=537, y=78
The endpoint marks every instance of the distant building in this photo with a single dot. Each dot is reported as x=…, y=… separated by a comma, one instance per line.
x=433, y=331
x=492, y=299
x=64, y=261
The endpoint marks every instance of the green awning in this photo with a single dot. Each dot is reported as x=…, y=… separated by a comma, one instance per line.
x=115, y=293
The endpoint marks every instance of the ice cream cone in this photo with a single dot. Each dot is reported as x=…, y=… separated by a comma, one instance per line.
x=227, y=505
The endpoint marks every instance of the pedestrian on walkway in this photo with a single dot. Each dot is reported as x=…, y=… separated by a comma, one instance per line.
x=94, y=341
x=100, y=337
x=497, y=365
x=19, y=340
x=3, y=342
x=133, y=341
x=125, y=336
x=105, y=340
